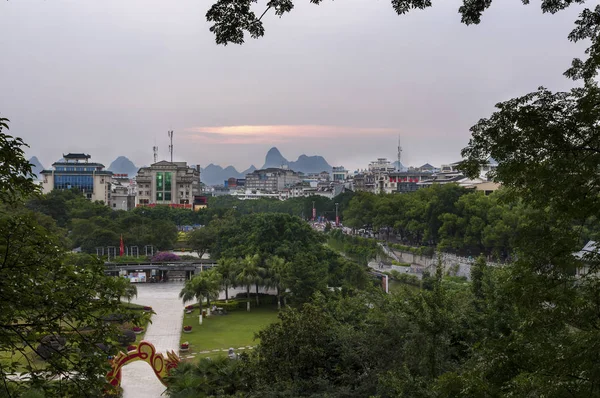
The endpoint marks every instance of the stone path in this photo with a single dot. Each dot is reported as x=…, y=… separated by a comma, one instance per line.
x=164, y=332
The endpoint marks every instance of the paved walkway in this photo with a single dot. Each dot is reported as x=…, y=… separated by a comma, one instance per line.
x=138, y=379
x=164, y=332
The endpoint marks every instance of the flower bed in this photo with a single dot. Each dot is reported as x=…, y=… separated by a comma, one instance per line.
x=187, y=329
x=137, y=329
x=132, y=347
x=184, y=346
x=147, y=308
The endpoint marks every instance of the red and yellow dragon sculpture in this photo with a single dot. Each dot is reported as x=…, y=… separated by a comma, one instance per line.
x=146, y=352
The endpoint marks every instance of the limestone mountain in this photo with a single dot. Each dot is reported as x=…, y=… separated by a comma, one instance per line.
x=304, y=163
x=37, y=166
x=310, y=164
x=122, y=165
x=249, y=170
x=274, y=158
x=215, y=175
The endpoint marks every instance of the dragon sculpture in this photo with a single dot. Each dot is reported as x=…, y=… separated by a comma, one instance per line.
x=146, y=352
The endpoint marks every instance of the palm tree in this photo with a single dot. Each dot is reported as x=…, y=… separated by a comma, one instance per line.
x=206, y=284
x=228, y=268
x=277, y=268
x=248, y=274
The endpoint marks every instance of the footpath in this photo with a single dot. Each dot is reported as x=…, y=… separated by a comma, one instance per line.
x=138, y=379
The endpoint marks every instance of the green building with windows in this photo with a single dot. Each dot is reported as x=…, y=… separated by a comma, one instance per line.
x=168, y=183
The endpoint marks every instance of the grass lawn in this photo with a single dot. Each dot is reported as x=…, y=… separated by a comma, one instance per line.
x=235, y=329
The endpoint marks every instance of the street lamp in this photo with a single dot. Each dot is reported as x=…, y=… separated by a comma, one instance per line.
x=337, y=219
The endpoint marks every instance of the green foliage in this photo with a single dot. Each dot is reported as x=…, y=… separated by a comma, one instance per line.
x=201, y=240
x=208, y=377
x=16, y=177
x=361, y=250
x=44, y=292
x=205, y=285
x=231, y=20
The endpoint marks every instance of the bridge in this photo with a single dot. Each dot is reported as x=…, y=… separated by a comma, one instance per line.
x=150, y=271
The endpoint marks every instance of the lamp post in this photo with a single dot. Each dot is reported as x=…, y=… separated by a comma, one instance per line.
x=337, y=219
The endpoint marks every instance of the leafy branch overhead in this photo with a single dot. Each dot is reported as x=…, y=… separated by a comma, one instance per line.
x=233, y=19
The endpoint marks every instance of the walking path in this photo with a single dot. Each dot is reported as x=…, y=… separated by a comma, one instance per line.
x=138, y=379
x=164, y=332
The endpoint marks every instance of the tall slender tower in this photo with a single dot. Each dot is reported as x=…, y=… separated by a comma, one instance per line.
x=170, y=133
x=399, y=153
x=155, y=150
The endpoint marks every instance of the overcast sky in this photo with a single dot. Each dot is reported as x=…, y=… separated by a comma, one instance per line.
x=341, y=80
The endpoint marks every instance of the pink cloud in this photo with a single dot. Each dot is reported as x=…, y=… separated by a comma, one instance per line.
x=276, y=133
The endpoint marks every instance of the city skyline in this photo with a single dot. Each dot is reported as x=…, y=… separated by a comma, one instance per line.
x=336, y=80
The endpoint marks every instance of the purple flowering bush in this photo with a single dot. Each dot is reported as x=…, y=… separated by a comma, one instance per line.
x=165, y=256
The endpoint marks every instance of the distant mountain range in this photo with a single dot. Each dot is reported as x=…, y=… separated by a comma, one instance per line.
x=215, y=175
x=305, y=164
x=37, y=166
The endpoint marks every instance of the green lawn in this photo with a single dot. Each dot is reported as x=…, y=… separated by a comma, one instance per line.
x=235, y=329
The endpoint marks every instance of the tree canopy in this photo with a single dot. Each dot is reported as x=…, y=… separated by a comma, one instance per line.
x=53, y=305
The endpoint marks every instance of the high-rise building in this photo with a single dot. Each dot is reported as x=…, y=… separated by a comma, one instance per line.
x=75, y=171
x=168, y=183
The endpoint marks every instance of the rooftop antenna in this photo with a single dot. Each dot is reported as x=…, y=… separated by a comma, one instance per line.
x=155, y=150
x=399, y=153
x=170, y=133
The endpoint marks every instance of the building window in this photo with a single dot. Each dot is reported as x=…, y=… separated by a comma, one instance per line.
x=81, y=182
x=168, y=196
x=168, y=181
x=159, y=196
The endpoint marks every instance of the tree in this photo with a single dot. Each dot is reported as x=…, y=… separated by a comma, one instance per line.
x=204, y=285
x=201, y=240
x=249, y=274
x=277, y=270
x=45, y=292
x=228, y=269
x=536, y=139
x=16, y=177
x=130, y=290
x=209, y=377
x=231, y=20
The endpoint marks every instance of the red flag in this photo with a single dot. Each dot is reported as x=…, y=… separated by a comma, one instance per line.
x=121, y=247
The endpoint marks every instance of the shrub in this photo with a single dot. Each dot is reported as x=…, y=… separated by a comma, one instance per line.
x=232, y=305
x=49, y=345
x=165, y=256
x=126, y=337
x=409, y=279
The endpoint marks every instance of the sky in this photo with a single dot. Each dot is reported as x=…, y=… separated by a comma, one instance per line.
x=342, y=80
